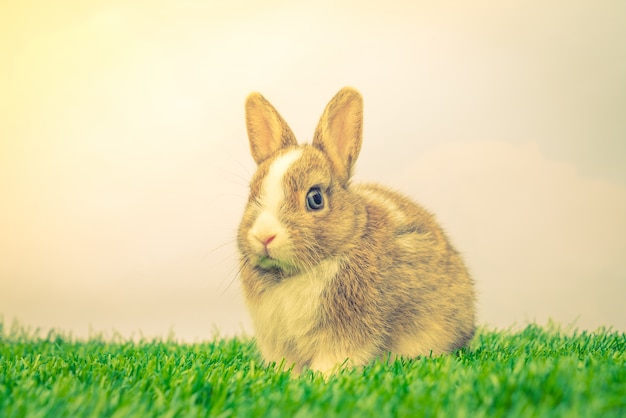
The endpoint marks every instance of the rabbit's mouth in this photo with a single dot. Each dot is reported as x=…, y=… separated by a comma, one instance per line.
x=268, y=263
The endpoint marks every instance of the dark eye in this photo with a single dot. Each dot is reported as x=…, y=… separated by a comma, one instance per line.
x=314, y=199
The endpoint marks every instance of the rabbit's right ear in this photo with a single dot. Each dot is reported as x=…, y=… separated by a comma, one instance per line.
x=267, y=131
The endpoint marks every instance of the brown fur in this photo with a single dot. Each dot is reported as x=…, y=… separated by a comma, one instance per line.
x=381, y=274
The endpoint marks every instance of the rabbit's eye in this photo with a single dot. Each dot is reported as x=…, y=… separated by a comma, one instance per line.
x=314, y=199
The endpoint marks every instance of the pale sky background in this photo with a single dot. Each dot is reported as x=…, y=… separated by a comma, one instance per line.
x=124, y=158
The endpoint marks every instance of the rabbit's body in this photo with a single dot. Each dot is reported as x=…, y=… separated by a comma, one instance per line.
x=333, y=271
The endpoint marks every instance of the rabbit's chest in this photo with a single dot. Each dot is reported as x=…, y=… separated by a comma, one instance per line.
x=291, y=308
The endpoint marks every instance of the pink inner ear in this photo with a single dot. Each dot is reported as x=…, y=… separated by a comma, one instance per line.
x=339, y=129
x=267, y=131
x=344, y=126
x=269, y=138
x=264, y=129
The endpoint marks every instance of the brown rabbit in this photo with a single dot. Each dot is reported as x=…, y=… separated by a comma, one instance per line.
x=338, y=273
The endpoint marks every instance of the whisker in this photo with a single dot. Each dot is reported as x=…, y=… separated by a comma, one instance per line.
x=211, y=251
x=237, y=271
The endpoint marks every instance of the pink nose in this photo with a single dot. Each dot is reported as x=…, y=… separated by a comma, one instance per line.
x=266, y=241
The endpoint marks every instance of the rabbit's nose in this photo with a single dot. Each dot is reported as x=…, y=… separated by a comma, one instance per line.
x=268, y=239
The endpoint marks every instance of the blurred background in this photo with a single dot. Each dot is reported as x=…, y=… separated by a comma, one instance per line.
x=124, y=159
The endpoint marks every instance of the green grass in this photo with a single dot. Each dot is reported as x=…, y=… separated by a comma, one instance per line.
x=535, y=372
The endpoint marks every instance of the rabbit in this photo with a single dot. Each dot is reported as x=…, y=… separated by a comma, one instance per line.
x=336, y=274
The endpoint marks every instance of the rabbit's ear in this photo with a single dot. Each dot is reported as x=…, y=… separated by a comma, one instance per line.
x=267, y=131
x=339, y=131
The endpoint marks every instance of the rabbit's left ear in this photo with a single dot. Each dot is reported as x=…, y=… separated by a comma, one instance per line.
x=267, y=131
x=339, y=132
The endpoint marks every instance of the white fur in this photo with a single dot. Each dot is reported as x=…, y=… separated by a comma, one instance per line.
x=272, y=193
x=330, y=356
x=290, y=309
x=267, y=222
x=375, y=197
x=421, y=343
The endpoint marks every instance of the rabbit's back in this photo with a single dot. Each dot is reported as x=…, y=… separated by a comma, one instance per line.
x=421, y=278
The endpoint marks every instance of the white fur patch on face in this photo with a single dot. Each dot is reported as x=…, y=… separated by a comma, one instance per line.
x=272, y=193
x=267, y=224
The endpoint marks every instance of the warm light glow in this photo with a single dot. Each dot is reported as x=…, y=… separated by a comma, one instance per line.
x=124, y=160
